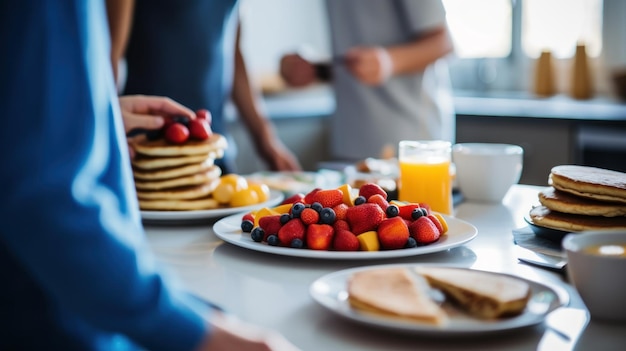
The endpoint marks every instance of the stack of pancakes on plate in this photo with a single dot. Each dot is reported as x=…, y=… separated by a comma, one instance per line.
x=177, y=177
x=582, y=198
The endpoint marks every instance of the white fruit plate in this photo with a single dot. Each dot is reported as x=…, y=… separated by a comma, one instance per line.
x=459, y=233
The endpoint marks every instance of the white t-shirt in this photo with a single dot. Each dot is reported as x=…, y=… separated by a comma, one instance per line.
x=406, y=107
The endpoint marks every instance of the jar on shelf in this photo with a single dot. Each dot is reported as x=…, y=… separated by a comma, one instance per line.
x=581, y=85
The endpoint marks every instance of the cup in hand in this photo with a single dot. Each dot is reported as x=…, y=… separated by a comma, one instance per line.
x=486, y=171
x=596, y=266
x=425, y=173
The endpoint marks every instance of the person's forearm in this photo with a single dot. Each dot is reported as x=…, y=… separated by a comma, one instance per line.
x=119, y=14
x=247, y=100
x=418, y=54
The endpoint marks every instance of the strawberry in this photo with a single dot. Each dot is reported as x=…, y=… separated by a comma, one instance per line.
x=298, y=197
x=319, y=236
x=199, y=129
x=405, y=211
x=424, y=231
x=308, y=197
x=341, y=224
x=205, y=115
x=393, y=233
x=177, y=133
x=340, y=211
x=379, y=200
x=364, y=217
x=309, y=216
x=328, y=197
x=270, y=224
x=248, y=216
x=294, y=229
x=345, y=240
x=368, y=189
x=436, y=222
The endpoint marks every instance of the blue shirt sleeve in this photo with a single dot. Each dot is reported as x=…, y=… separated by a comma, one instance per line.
x=69, y=212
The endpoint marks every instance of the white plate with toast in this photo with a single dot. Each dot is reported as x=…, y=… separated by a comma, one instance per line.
x=275, y=198
x=331, y=292
x=459, y=233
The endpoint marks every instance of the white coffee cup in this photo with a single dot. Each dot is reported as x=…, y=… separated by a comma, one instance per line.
x=486, y=171
x=596, y=266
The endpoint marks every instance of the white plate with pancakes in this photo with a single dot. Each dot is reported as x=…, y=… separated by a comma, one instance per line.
x=332, y=292
x=459, y=233
x=275, y=198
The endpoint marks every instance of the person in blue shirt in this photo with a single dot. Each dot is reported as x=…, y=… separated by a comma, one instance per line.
x=76, y=270
x=189, y=51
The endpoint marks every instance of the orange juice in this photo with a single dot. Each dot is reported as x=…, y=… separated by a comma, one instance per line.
x=425, y=175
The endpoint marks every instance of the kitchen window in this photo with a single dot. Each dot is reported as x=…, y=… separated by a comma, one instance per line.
x=497, y=41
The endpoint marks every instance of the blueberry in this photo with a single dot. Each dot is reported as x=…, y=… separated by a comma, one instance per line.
x=296, y=209
x=284, y=218
x=154, y=134
x=272, y=240
x=417, y=213
x=297, y=243
x=327, y=215
x=317, y=206
x=257, y=234
x=360, y=200
x=410, y=243
x=247, y=226
x=392, y=211
x=181, y=119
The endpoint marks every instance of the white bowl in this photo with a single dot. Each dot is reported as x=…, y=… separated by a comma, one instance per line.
x=486, y=171
x=600, y=279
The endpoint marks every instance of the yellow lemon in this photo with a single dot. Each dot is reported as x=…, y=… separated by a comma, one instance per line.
x=223, y=193
x=262, y=190
x=238, y=182
x=244, y=197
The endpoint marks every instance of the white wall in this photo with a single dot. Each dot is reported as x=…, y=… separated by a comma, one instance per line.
x=271, y=28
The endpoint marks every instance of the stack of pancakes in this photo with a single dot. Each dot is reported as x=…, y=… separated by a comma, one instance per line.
x=582, y=198
x=171, y=177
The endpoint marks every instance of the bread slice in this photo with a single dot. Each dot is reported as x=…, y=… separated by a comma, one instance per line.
x=481, y=294
x=396, y=293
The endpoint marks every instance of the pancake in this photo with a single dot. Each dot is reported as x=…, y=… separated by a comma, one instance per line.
x=482, y=294
x=161, y=147
x=206, y=203
x=544, y=217
x=590, y=182
x=152, y=162
x=565, y=202
x=188, y=180
x=173, y=172
x=394, y=293
x=180, y=193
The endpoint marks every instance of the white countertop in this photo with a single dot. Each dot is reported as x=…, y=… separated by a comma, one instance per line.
x=273, y=291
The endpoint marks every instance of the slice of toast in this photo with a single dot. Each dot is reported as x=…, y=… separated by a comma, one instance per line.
x=395, y=293
x=481, y=294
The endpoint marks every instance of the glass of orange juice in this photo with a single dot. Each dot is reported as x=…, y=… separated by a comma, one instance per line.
x=425, y=173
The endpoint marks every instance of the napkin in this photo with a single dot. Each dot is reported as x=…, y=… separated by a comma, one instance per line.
x=526, y=238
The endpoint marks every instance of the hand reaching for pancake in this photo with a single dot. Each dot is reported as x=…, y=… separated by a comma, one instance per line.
x=148, y=112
